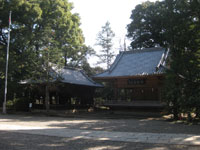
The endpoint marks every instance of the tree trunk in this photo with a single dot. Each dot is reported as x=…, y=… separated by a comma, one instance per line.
x=198, y=112
x=175, y=113
x=65, y=62
x=47, y=97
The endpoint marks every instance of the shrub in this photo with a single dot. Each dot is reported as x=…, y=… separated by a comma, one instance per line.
x=18, y=104
x=10, y=104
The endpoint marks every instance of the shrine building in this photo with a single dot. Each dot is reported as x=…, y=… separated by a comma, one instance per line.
x=136, y=77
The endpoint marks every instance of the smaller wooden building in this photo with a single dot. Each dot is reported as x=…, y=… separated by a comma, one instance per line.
x=70, y=87
x=136, y=77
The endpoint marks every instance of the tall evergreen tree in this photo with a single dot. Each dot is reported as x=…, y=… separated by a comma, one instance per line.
x=105, y=41
x=178, y=30
x=43, y=32
x=147, y=27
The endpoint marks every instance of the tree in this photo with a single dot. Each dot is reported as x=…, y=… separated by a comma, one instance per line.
x=122, y=46
x=43, y=32
x=105, y=41
x=20, y=39
x=176, y=27
x=90, y=71
x=147, y=26
x=182, y=32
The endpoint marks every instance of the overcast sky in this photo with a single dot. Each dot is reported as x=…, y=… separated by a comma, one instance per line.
x=95, y=13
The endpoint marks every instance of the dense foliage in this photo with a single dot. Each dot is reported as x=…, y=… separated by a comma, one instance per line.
x=173, y=24
x=43, y=32
x=147, y=26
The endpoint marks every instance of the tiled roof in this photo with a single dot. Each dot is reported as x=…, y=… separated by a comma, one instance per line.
x=67, y=75
x=137, y=62
x=75, y=76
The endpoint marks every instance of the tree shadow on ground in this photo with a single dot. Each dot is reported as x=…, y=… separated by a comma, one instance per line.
x=149, y=125
x=21, y=141
x=146, y=124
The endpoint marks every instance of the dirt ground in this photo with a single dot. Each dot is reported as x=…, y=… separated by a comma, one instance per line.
x=10, y=140
x=117, y=121
x=19, y=141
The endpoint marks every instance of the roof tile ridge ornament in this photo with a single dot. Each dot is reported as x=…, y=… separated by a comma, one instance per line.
x=166, y=56
x=163, y=59
x=114, y=65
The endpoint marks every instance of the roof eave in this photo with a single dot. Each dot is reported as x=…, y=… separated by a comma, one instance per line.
x=128, y=76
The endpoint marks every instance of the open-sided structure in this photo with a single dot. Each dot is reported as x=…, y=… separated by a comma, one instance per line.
x=136, y=77
x=72, y=86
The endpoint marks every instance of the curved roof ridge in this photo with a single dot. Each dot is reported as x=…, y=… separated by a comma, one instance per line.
x=144, y=50
x=163, y=59
x=71, y=68
x=115, y=64
x=85, y=75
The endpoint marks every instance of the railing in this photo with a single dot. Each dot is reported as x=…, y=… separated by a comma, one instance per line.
x=138, y=103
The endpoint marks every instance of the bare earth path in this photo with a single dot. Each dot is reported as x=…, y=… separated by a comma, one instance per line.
x=30, y=132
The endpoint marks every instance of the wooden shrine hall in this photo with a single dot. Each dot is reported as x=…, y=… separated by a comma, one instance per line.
x=136, y=78
x=70, y=87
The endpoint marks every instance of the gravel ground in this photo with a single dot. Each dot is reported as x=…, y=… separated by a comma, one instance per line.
x=150, y=125
x=19, y=141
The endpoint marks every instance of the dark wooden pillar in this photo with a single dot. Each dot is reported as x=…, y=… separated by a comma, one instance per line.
x=57, y=97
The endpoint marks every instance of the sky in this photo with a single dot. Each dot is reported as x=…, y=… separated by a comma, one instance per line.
x=95, y=13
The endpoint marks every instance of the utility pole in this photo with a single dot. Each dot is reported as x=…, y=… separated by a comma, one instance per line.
x=7, y=58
